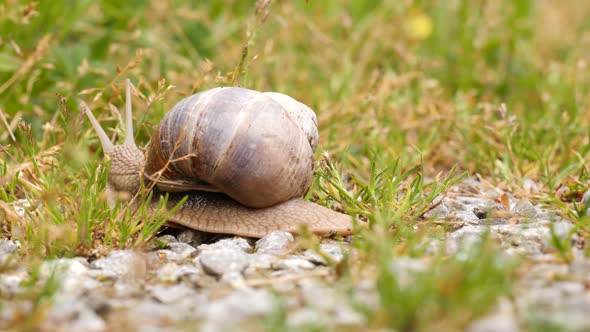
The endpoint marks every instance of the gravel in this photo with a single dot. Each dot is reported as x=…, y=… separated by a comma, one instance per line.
x=185, y=283
x=7, y=252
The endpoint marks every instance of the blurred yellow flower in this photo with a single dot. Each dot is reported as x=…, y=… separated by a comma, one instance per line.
x=419, y=25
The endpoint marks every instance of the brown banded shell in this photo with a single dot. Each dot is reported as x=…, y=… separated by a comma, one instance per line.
x=255, y=147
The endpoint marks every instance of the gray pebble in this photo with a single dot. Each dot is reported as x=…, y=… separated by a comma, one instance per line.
x=405, y=269
x=221, y=261
x=12, y=310
x=312, y=290
x=530, y=186
x=20, y=206
x=127, y=289
x=524, y=239
x=440, y=211
x=467, y=216
x=8, y=251
x=232, y=277
x=464, y=238
x=235, y=243
x=166, y=239
x=260, y=261
x=306, y=318
x=238, y=305
x=182, y=251
x=585, y=197
x=72, y=274
x=524, y=208
x=294, y=263
x=331, y=250
x=120, y=264
x=151, y=314
x=171, y=294
x=562, y=228
x=172, y=272
x=192, y=237
x=501, y=320
x=275, y=243
x=10, y=283
x=559, y=304
x=476, y=202
x=72, y=316
x=332, y=304
x=163, y=256
x=581, y=267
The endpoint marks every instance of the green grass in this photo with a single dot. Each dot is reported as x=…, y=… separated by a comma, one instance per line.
x=410, y=97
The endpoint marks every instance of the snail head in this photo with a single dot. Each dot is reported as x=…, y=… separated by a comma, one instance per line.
x=127, y=160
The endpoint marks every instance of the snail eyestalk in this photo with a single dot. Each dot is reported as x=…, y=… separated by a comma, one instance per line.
x=129, y=139
x=107, y=145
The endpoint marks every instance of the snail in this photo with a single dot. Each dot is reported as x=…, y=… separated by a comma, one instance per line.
x=243, y=157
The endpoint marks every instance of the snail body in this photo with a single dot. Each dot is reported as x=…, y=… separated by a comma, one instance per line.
x=244, y=158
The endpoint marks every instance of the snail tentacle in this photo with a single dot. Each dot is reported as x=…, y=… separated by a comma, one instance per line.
x=129, y=138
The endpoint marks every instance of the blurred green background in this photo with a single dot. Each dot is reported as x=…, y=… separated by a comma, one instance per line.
x=417, y=73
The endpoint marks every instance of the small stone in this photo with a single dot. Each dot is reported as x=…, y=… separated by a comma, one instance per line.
x=333, y=251
x=182, y=250
x=235, y=243
x=8, y=251
x=72, y=316
x=463, y=239
x=162, y=256
x=562, y=229
x=585, y=197
x=151, y=313
x=312, y=291
x=20, y=206
x=171, y=294
x=294, y=263
x=166, y=239
x=472, y=202
x=13, y=310
x=468, y=216
x=562, y=192
x=523, y=239
x=126, y=289
x=530, y=186
x=232, y=277
x=192, y=237
x=561, y=304
x=172, y=272
x=242, y=303
x=524, y=208
x=314, y=257
x=221, y=261
x=306, y=317
x=346, y=315
x=405, y=268
x=259, y=261
x=120, y=264
x=72, y=273
x=275, y=243
x=10, y=283
x=581, y=267
x=440, y=211
x=333, y=305
x=502, y=319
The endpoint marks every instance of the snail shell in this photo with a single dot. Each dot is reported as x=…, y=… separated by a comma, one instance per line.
x=255, y=147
